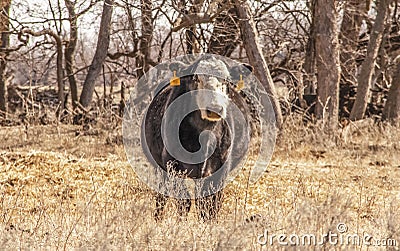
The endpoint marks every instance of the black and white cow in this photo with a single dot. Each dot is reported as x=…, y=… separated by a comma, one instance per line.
x=212, y=116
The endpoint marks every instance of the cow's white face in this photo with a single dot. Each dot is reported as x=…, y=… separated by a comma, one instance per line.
x=211, y=74
x=217, y=104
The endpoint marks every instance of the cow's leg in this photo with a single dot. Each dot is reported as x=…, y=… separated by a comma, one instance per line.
x=175, y=183
x=161, y=200
x=183, y=201
x=209, y=192
x=209, y=206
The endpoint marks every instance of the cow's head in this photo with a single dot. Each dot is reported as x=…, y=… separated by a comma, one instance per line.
x=213, y=74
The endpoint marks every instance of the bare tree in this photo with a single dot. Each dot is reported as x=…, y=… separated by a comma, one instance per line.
x=327, y=59
x=349, y=34
x=368, y=65
x=100, y=54
x=192, y=45
x=254, y=54
x=59, y=62
x=70, y=51
x=225, y=37
x=391, y=111
x=4, y=31
x=309, y=60
x=143, y=57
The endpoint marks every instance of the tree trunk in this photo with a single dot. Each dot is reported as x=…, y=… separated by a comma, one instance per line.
x=254, y=54
x=143, y=59
x=350, y=30
x=100, y=54
x=70, y=51
x=191, y=40
x=192, y=45
x=391, y=111
x=328, y=62
x=367, y=67
x=60, y=77
x=309, y=61
x=5, y=40
x=59, y=64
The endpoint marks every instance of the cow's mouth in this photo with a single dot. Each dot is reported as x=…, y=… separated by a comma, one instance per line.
x=212, y=116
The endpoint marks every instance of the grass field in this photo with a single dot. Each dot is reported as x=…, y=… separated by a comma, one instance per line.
x=62, y=188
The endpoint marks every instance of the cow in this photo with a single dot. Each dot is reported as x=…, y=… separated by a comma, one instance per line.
x=211, y=115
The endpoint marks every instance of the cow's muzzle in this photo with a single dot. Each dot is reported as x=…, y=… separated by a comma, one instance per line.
x=214, y=113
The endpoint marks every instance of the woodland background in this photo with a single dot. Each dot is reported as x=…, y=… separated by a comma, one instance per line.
x=332, y=59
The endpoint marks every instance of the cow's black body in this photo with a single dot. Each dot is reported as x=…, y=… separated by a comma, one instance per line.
x=189, y=131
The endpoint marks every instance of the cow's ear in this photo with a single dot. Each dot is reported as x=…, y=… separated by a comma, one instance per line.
x=238, y=75
x=249, y=67
x=243, y=69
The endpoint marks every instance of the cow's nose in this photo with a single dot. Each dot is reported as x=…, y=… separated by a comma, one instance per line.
x=215, y=108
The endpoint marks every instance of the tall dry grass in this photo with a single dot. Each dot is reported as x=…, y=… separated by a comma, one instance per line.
x=62, y=187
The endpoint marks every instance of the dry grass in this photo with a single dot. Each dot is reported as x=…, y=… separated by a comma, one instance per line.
x=60, y=189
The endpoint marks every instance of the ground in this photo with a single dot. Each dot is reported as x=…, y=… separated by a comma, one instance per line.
x=62, y=187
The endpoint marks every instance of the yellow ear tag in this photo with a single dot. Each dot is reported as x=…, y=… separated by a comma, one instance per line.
x=240, y=84
x=175, y=81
